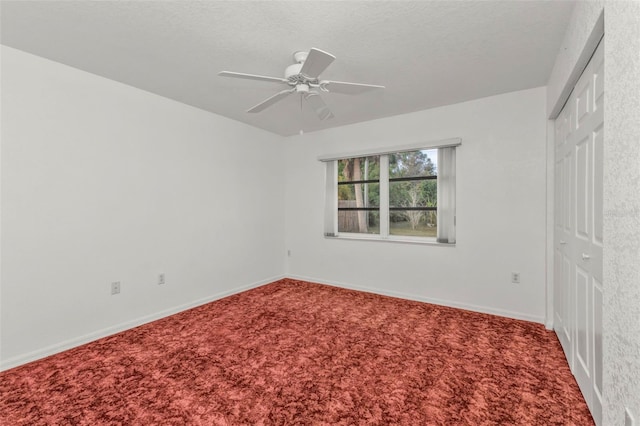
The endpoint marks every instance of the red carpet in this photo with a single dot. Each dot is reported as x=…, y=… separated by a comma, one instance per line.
x=292, y=352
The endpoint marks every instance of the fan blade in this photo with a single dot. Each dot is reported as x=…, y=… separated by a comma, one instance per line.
x=252, y=76
x=270, y=101
x=319, y=106
x=316, y=62
x=348, y=88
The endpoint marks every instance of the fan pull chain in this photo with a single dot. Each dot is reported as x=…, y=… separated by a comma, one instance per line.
x=301, y=114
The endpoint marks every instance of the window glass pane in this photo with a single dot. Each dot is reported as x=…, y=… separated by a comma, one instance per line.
x=413, y=163
x=354, y=196
x=412, y=187
x=407, y=194
x=359, y=195
x=413, y=223
x=362, y=222
x=417, y=193
x=364, y=195
x=360, y=168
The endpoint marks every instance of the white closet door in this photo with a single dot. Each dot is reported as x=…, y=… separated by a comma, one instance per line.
x=578, y=231
x=596, y=240
x=563, y=321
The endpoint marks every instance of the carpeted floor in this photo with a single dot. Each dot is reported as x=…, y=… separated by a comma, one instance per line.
x=293, y=352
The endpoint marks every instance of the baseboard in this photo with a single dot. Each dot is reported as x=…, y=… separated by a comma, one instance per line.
x=441, y=302
x=87, y=338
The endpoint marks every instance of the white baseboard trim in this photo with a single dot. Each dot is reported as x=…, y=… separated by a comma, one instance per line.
x=90, y=337
x=441, y=302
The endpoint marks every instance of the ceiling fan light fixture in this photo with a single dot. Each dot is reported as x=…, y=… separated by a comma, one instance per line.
x=302, y=88
x=322, y=110
x=300, y=57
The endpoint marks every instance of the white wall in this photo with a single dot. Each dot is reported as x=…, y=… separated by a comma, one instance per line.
x=622, y=211
x=103, y=182
x=621, y=255
x=500, y=215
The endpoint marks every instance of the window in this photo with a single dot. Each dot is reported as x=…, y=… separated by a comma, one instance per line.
x=406, y=195
x=359, y=195
x=413, y=193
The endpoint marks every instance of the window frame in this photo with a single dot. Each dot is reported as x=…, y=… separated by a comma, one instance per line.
x=331, y=194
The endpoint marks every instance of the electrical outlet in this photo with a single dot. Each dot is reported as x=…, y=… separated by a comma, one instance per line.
x=515, y=277
x=161, y=279
x=628, y=417
x=115, y=287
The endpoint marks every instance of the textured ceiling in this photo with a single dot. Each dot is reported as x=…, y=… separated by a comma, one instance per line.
x=426, y=53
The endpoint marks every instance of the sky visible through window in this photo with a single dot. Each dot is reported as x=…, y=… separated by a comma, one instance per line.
x=433, y=156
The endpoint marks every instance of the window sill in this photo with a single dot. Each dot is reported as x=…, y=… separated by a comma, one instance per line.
x=394, y=239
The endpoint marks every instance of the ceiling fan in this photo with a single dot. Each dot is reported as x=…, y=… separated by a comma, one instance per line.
x=303, y=77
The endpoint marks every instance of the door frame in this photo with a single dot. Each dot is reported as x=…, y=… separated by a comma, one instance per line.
x=597, y=33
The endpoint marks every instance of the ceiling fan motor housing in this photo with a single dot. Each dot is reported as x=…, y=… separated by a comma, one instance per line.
x=295, y=77
x=292, y=71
